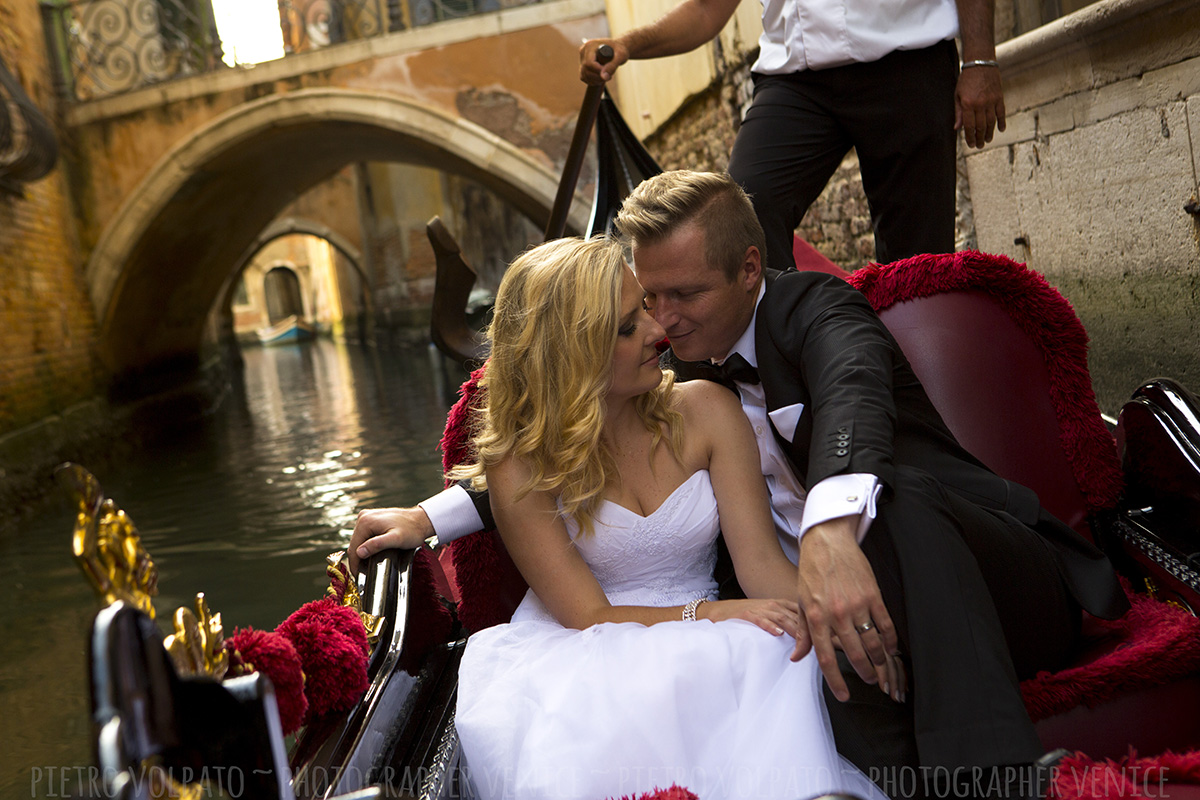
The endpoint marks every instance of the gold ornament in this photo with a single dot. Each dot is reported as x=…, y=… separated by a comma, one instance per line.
x=198, y=645
x=337, y=567
x=106, y=544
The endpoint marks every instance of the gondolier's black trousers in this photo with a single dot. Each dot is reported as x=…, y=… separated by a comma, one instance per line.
x=898, y=115
x=979, y=602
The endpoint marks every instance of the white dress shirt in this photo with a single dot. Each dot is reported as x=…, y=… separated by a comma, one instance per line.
x=794, y=513
x=452, y=513
x=816, y=34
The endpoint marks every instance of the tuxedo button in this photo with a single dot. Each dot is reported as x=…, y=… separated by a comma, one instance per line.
x=758, y=430
x=842, y=452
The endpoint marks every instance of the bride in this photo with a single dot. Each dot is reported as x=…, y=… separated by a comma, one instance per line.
x=620, y=671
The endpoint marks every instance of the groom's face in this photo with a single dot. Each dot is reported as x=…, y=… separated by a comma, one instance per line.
x=703, y=311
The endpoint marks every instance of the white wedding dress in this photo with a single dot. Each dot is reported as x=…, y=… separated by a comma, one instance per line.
x=622, y=708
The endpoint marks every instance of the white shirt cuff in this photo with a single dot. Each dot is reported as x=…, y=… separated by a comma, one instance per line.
x=452, y=513
x=841, y=496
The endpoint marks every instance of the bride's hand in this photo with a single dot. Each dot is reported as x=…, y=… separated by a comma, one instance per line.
x=773, y=616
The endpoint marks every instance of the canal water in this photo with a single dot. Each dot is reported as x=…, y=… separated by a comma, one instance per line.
x=243, y=505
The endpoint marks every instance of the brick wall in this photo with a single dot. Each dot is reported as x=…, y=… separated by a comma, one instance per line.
x=47, y=325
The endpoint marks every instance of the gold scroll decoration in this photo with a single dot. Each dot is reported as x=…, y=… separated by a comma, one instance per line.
x=337, y=567
x=106, y=544
x=198, y=645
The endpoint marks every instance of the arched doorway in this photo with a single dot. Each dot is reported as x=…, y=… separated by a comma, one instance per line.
x=281, y=289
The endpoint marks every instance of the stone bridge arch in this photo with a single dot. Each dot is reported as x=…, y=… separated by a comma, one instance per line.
x=168, y=253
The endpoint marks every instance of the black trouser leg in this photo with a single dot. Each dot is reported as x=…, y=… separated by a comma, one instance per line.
x=898, y=114
x=907, y=149
x=964, y=586
x=788, y=147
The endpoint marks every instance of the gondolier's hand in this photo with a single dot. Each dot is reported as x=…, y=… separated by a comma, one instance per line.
x=978, y=105
x=385, y=528
x=591, y=71
x=840, y=597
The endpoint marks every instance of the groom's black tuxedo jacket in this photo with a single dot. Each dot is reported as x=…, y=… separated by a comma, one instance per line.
x=819, y=343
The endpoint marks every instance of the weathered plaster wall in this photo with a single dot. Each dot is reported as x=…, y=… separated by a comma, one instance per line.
x=1090, y=181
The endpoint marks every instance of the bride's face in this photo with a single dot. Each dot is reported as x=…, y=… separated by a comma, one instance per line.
x=635, y=367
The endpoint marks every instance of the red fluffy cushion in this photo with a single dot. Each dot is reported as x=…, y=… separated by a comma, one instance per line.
x=273, y=655
x=332, y=645
x=333, y=615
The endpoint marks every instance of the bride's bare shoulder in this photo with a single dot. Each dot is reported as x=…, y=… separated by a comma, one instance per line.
x=705, y=402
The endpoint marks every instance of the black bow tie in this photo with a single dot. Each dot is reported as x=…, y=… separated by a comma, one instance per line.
x=734, y=368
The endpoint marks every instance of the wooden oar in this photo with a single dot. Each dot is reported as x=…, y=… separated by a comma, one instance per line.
x=557, y=224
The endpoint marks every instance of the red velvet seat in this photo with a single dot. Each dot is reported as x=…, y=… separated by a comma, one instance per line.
x=1004, y=359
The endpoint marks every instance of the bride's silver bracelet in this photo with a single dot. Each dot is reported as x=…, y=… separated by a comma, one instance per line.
x=689, y=611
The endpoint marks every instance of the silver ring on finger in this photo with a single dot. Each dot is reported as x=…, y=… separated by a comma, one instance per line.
x=866, y=626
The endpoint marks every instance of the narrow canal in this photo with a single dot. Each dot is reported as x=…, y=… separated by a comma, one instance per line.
x=243, y=505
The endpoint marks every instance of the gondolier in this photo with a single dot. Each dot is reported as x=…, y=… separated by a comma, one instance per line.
x=831, y=75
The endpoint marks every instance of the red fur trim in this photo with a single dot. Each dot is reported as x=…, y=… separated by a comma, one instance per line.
x=674, y=793
x=273, y=655
x=1046, y=317
x=488, y=584
x=1158, y=643
x=456, y=441
x=1077, y=777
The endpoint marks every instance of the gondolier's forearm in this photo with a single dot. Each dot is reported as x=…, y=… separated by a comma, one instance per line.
x=681, y=30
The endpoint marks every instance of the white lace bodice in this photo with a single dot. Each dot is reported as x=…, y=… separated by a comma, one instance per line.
x=663, y=559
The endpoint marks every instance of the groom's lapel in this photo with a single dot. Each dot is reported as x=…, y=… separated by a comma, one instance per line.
x=788, y=406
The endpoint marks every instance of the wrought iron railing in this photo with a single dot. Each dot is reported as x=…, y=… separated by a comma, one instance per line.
x=106, y=47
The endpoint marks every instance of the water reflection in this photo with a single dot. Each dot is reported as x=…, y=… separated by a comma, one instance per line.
x=243, y=507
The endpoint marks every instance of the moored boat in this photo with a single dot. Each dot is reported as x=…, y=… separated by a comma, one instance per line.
x=289, y=330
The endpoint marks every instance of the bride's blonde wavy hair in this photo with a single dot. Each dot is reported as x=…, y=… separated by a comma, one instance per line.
x=553, y=333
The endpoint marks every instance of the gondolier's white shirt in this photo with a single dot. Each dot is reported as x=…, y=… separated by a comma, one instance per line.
x=817, y=34
x=453, y=513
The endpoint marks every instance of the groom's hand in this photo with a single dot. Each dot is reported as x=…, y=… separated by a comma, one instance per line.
x=840, y=597
x=387, y=528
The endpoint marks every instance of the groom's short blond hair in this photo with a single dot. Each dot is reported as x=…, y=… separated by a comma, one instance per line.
x=661, y=205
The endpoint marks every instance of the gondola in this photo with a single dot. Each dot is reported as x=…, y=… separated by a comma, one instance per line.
x=1003, y=357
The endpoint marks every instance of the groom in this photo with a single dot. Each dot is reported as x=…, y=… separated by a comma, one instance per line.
x=905, y=542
